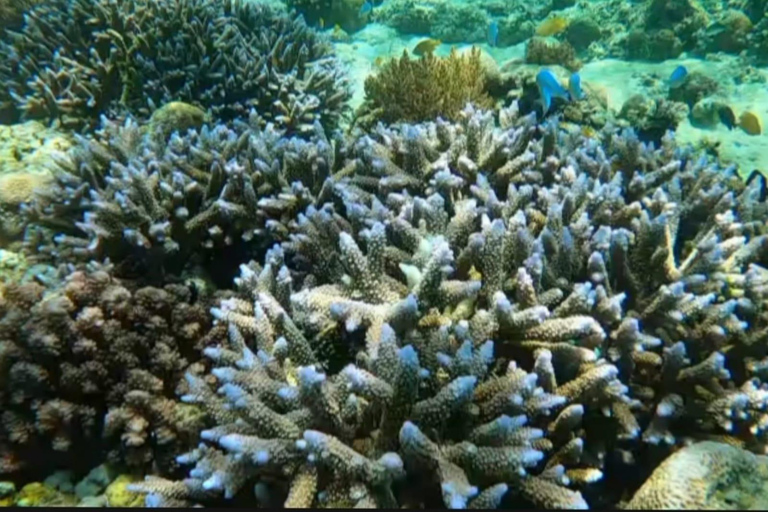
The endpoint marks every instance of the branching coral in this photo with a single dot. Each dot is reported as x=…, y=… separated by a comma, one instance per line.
x=92, y=368
x=408, y=89
x=75, y=61
x=488, y=314
x=161, y=209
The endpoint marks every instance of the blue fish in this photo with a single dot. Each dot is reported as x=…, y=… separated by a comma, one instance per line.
x=549, y=88
x=365, y=8
x=574, y=87
x=677, y=77
x=493, y=33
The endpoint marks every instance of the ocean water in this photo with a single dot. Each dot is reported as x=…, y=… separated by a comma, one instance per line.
x=390, y=253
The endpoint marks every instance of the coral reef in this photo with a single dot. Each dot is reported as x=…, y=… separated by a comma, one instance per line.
x=344, y=13
x=419, y=89
x=486, y=315
x=26, y=164
x=652, y=117
x=76, y=60
x=547, y=51
x=90, y=369
x=160, y=209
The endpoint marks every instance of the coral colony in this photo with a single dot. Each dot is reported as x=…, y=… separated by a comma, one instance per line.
x=453, y=303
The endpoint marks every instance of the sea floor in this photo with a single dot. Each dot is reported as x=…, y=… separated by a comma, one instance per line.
x=618, y=79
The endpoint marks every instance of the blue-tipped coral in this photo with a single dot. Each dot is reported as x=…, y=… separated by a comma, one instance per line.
x=546, y=307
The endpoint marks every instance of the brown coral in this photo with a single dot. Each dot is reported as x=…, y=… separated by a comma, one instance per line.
x=408, y=89
x=546, y=52
x=95, y=364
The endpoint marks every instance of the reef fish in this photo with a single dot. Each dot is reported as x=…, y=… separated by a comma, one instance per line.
x=750, y=123
x=426, y=46
x=574, y=87
x=493, y=33
x=677, y=77
x=726, y=116
x=552, y=26
x=549, y=88
x=365, y=8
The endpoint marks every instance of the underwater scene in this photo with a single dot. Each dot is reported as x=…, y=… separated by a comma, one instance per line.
x=384, y=254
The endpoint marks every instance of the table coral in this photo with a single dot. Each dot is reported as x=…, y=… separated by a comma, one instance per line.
x=487, y=314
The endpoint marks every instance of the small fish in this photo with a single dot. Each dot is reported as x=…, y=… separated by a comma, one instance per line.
x=365, y=8
x=726, y=116
x=549, y=88
x=379, y=61
x=750, y=123
x=426, y=46
x=677, y=77
x=493, y=34
x=574, y=87
x=322, y=23
x=552, y=26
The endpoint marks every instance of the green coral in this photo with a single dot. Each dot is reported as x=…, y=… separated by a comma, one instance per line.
x=408, y=89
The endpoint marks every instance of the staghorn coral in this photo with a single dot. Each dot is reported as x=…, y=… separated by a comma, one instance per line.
x=408, y=89
x=90, y=368
x=485, y=315
x=75, y=61
x=160, y=209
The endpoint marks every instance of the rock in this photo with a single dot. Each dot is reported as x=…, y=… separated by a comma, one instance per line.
x=705, y=113
x=60, y=480
x=706, y=476
x=95, y=482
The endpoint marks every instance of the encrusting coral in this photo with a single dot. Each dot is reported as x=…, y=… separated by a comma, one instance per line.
x=90, y=369
x=482, y=315
x=161, y=208
x=76, y=60
x=419, y=89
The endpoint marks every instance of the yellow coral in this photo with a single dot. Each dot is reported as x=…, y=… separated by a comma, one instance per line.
x=37, y=494
x=119, y=496
x=415, y=90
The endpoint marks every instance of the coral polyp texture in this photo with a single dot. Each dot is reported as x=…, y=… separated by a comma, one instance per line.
x=160, y=208
x=420, y=89
x=89, y=369
x=75, y=61
x=487, y=313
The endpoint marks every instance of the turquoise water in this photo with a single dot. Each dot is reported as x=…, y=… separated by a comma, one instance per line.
x=397, y=254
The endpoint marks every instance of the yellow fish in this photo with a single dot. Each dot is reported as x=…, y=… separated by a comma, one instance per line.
x=426, y=46
x=322, y=23
x=552, y=26
x=379, y=61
